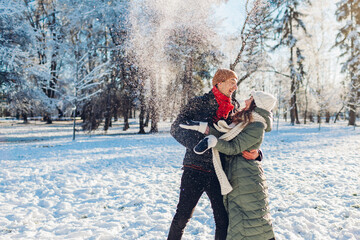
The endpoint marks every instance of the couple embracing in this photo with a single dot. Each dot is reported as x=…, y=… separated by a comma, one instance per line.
x=222, y=159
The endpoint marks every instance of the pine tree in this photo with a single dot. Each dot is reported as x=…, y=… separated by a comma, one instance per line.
x=287, y=22
x=348, y=40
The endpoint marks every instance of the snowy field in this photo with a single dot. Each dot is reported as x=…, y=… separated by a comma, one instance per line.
x=125, y=186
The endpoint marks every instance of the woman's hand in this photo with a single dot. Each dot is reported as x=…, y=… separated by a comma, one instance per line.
x=250, y=155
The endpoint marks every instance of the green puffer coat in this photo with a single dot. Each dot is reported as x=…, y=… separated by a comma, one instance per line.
x=247, y=204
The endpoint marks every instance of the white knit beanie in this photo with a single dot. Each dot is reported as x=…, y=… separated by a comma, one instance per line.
x=264, y=100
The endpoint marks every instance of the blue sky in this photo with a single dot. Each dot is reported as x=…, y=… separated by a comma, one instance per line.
x=232, y=14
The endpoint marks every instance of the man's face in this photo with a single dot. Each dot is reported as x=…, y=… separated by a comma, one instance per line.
x=227, y=87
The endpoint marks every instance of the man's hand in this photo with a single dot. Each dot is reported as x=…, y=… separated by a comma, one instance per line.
x=195, y=125
x=250, y=155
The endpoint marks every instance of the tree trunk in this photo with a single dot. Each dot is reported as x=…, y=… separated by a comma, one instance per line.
x=108, y=114
x=311, y=117
x=126, y=121
x=147, y=119
x=354, y=96
x=142, y=111
x=47, y=118
x=338, y=113
x=115, y=113
x=107, y=119
x=293, y=105
x=126, y=115
x=327, y=117
x=154, y=108
x=355, y=82
x=154, y=121
x=74, y=123
x=60, y=112
x=352, y=114
x=25, y=118
x=306, y=101
x=54, y=56
x=115, y=107
x=141, y=122
x=141, y=119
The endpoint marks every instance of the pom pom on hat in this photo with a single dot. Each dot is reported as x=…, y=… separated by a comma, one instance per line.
x=223, y=74
x=264, y=100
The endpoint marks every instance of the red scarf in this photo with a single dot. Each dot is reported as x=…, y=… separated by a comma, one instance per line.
x=225, y=105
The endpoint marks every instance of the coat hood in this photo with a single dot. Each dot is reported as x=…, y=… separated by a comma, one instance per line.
x=267, y=116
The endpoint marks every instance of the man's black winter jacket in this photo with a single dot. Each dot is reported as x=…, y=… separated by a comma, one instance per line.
x=202, y=109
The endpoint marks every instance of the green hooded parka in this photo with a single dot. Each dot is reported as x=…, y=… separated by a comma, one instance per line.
x=247, y=204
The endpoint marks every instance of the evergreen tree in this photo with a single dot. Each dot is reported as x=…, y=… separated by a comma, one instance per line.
x=287, y=22
x=348, y=40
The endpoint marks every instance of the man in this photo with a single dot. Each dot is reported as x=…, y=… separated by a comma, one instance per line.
x=199, y=174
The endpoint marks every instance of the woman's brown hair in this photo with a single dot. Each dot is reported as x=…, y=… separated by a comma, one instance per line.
x=244, y=115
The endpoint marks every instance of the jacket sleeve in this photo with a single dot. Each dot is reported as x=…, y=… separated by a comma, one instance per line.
x=261, y=155
x=187, y=138
x=213, y=131
x=251, y=135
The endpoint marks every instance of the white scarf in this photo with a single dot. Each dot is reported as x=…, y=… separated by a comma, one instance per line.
x=231, y=131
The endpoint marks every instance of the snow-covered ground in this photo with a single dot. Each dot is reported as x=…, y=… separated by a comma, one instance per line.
x=125, y=186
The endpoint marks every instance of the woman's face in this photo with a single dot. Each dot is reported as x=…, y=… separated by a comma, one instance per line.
x=248, y=102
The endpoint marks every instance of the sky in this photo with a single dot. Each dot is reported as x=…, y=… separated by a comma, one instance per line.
x=232, y=14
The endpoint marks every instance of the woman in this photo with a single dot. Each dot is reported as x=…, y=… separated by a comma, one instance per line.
x=247, y=199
